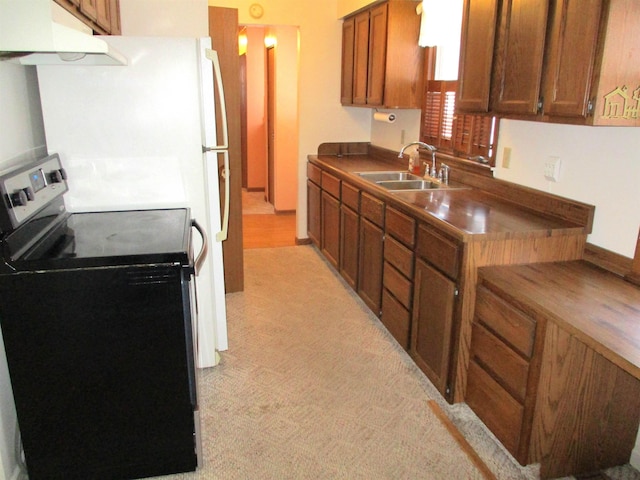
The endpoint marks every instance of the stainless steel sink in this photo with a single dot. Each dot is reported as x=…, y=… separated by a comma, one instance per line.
x=388, y=176
x=409, y=185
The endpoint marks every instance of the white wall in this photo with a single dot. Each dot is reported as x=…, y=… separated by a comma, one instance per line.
x=21, y=133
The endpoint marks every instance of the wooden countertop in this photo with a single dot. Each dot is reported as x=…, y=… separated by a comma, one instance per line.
x=597, y=307
x=468, y=214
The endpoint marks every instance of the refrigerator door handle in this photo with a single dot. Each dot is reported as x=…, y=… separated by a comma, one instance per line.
x=213, y=56
x=221, y=236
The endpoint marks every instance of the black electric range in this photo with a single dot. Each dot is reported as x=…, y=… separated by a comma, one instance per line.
x=98, y=311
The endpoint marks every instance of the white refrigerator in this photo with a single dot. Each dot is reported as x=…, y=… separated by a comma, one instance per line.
x=144, y=136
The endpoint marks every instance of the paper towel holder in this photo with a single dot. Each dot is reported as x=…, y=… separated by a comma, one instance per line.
x=384, y=117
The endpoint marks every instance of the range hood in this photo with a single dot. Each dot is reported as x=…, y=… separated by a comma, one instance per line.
x=40, y=32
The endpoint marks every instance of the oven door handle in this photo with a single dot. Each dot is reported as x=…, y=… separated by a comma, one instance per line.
x=199, y=261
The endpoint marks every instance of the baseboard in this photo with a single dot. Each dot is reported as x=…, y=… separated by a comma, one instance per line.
x=284, y=212
x=255, y=189
x=303, y=241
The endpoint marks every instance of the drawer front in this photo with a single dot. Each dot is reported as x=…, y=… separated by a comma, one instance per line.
x=401, y=226
x=351, y=197
x=399, y=286
x=396, y=319
x=399, y=256
x=439, y=251
x=499, y=411
x=372, y=209
x=314, y=174
x=506, y=366
x=509, y=323
x=331, y=184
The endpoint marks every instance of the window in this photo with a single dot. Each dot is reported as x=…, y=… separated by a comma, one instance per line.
x=461, y=135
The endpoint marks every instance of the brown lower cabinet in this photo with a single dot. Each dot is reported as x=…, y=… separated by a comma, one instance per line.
x=546, y=395
x=370, y=265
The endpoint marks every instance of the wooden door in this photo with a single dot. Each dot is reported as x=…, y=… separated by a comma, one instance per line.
x=479, y=25
x=519, y=56
x=360, y=58
x=223, y=30
x=571, y=55
x=377, y=54
x=271, y=125
x=432, y=324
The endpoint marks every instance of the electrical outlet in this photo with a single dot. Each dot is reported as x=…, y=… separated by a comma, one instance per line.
x=552, y=169
x=506, y=157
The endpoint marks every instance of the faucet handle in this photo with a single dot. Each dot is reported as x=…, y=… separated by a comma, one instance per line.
x=444, y=173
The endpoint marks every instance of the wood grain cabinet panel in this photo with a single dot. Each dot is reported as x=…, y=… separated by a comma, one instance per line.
x=349, y=245
x=519, y=56
x=432, y=324
x=401, y=226
x=314, y=217
x=372, y=209
x=396, y=318
x=383, y=63
x=442, y=252
x=399, y=256
x=370, y=264
x=479, y=25
x=102, y=16
x=567, y=407
x=330, y=242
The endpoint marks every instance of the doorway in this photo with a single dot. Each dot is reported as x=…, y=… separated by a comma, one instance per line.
x=269, y=81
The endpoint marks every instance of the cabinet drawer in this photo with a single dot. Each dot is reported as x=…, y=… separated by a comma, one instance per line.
x=399, y=286
x=510, y=324
x=399, y=256
x=401, y=226
x=331, y=184
x=508, y=368
x=314, y=174
x=396, y=319
x=499, y=411
x=372, y=209
x=351, y=197
x=438, y=250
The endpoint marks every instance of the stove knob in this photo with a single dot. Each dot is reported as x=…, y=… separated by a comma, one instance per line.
x=19, y=198
x=56, y=176
x=31, y=196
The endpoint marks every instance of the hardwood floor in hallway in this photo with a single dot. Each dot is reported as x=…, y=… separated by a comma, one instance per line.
x=264, y=231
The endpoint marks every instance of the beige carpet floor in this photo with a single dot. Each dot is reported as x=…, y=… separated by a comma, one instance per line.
x=313, y=387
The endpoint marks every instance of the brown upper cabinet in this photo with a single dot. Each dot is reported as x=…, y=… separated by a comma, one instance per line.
x=382, y=64
x=102, y=16
x=570, y=61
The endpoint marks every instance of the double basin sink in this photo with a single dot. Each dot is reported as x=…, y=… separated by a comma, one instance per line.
x=392, y=180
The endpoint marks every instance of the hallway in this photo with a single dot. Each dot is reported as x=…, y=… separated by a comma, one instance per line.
x=262, y=228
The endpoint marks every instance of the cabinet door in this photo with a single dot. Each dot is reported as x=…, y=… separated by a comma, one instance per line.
x=103, y=16
x=360, y=58
x=370, y=271
x=89, y=8
x=432, y=324
x=348, y=46
x=479, y=24
x=519, y=56
x=313, y=212
x=571, y=55
x=330, y=228
x=349, y=245
x=377, y=54
x=114, y=14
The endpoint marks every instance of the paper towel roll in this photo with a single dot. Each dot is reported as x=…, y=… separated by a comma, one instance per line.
x=384, y=117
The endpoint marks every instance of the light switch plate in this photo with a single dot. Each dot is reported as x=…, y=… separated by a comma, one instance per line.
x=552, y=169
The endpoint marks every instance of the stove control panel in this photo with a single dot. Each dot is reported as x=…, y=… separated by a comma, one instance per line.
x=29, y=188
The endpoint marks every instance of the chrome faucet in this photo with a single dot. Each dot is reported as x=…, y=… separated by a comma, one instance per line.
x=431, y=148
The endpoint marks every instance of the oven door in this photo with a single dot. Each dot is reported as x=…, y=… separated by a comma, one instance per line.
x=191, y=325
